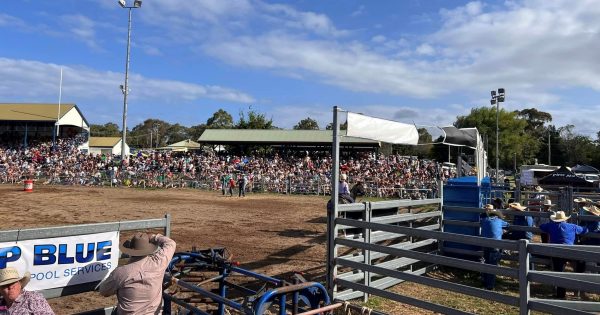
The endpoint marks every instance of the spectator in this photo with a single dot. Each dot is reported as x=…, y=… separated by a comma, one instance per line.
x=138, y=284
x=520, y=220
x=546, y=208
x=491, y=227
x=15, y=300
x=561, y=232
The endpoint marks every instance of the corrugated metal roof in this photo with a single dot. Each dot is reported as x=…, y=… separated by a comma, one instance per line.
x=32, y=112
x=185, y=144
x=278, y=136
x=104, y=142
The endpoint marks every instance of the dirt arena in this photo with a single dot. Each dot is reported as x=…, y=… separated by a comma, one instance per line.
x=272, y=234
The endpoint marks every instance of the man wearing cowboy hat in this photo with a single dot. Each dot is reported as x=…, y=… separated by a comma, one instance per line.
x=491, y=227
x=564, y=233
x=520, y=220
x=138, y=284
x=546, y=208
x=15, y=300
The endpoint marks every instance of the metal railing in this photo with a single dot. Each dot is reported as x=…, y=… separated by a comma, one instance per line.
x=359, y=269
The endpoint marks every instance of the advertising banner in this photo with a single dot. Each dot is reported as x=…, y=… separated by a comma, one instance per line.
x=63, y=261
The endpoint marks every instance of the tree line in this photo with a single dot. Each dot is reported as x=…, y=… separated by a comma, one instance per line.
x=524, y=136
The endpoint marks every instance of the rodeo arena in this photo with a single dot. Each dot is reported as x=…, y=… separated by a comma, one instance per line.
x=193, y=229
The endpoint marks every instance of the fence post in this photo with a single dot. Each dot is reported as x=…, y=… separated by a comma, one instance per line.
x=441, y=218
x=524, y=289
x=168, y=225
x=367, y=215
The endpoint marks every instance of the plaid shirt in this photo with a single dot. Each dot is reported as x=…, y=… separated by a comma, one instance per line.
x=28, y=302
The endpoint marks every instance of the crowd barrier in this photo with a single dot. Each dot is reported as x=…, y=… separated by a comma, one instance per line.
x=310, y=185
x=416, y=248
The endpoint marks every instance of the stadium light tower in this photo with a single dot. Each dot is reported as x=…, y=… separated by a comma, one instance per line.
x=497, y=97
x=124, y=88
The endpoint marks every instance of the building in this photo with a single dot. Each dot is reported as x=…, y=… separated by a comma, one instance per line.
x=23, y=123
x=183, y=146
x=106, y=145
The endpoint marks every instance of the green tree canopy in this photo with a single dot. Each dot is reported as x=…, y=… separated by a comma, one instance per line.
x=220, y=120
x=254, y=121
x=107, y=130
x=307, y=124
x=515, y=142
x=152, y=133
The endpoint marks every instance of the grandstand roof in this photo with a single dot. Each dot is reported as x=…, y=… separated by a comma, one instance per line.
x=105, y=142
x=278, y=136
x=37, y=112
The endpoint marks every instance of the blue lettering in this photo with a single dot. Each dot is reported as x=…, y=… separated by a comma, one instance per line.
x=63, y=259
x=89, y=253
x=44, y=255
x=103, y=250
x=8, y=254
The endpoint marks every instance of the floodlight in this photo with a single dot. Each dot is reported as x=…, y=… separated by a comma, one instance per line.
x=501, y=98
x=500, y=91
x=493, y=101
x=493, y=93
x=122, y=3
x=137, y=3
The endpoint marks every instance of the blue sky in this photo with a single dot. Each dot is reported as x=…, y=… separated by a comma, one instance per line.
x=422, y=62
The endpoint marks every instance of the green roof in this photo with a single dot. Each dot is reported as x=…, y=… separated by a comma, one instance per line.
x=104, y=142
x=278, y=136
x=32, y=112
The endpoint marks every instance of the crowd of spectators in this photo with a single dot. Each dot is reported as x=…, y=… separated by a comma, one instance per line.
x=64, y=163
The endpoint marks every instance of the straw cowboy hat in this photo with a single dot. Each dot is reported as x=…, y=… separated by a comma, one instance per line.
x=10, y=275
x=516, y=206
x=343, y=177
x=538, y=188
x=560, y=216
x=581, y=200
x=489, y=210
x=139, y=245
x=593, y=210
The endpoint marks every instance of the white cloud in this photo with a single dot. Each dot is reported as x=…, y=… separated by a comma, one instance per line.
x=425, y=49
x=358, y=12
x=82, y=28
x=88, y=85
x=378, y=39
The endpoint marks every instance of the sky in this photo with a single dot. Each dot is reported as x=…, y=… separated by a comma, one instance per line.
x=413, y=61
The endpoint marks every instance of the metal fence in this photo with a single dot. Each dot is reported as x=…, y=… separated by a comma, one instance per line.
x=82, y=229
x=357, y=271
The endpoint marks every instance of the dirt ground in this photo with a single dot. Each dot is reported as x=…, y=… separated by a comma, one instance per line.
x=272, y=234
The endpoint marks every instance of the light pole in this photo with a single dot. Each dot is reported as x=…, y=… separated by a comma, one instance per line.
x=497, y=97
x=125, y=89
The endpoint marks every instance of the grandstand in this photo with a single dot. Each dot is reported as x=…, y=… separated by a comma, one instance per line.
x=27, y=122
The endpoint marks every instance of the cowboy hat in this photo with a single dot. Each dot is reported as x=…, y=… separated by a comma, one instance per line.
x=581, y=200
x=517, y=206
x=138, y=245
x=593, y=210
x=538, y=188
x=10, y=275
x=560, y=216
x=489, y=210
x=343, y=177
x=548, y=203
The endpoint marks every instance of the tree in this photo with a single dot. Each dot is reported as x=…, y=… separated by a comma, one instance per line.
x=307, y=124
x=578, y=148
x=196, y=131
x=343, y=126
x=220, y=120
x=107, y=130
x=150, y=134
x=254, y=121
x=175, y=133
x=515, y=142
x=535, y=118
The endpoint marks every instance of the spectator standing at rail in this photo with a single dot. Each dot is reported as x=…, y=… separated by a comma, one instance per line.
x=492, y=227
x=231, y=186
x=15, y=300
x=520, y=220
x=138, y=285
x=561, y=232
x=547, y=209
x=344, y=189
x=242, y=179
x=537, y=198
